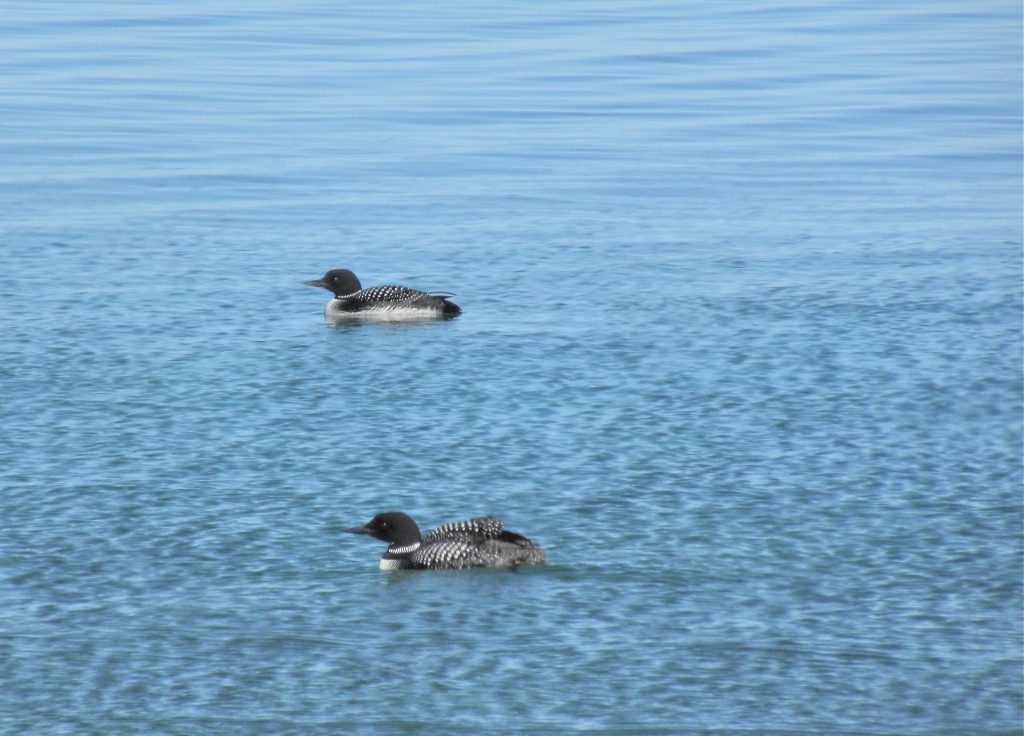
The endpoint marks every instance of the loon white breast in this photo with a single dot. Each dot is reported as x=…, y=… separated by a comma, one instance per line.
x=390, y=302
x=479, y=542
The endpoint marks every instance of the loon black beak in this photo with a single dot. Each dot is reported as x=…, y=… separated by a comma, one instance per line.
x=358, y=530
x=316, y=282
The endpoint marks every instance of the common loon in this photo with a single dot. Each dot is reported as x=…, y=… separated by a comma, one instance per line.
x=391, y=302
x=480, y=542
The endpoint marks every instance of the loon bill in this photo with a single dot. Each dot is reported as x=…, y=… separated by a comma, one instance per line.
x=479, y=542
x=389, y=302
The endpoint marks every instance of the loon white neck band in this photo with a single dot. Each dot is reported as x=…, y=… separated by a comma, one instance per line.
x=404, y=550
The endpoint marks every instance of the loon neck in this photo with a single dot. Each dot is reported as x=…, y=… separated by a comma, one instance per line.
x=397, y=557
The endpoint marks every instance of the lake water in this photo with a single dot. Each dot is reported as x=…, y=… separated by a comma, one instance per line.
x=741, y=348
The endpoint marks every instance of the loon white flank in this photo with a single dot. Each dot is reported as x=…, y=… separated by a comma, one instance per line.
x=480, y=542
x=389, y=302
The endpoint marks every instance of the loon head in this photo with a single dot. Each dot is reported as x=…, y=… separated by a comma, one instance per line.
x=393, y=527
x=340, y=281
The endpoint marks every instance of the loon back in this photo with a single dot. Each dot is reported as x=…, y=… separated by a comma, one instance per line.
x=392, y=302
x=479, y=542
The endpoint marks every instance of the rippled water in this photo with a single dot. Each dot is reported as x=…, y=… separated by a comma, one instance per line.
x=741, y=348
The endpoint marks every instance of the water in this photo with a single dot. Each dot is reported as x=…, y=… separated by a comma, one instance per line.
x=741, y=348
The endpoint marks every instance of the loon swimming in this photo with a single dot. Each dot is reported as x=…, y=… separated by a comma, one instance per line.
x=480, y=542
x=388, y=302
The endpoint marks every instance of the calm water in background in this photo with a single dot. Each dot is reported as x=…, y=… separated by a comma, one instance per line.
x=741, y=348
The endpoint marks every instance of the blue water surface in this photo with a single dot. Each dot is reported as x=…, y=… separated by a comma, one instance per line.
x=741, y=348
